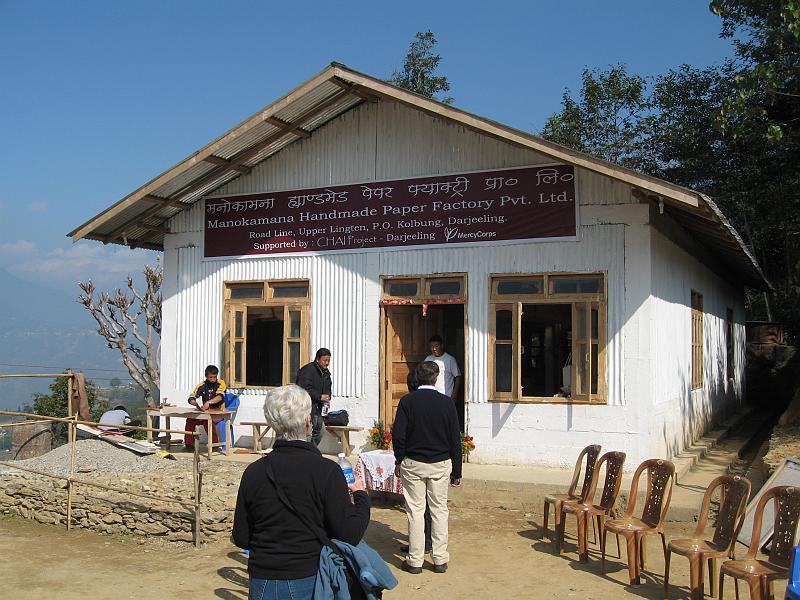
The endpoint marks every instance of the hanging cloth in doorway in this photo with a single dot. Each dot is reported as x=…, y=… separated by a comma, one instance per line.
x=425, y=304
x=453, y=300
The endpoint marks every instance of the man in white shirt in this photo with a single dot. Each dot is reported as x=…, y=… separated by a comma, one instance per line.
x=117, y=417
x=449, y=381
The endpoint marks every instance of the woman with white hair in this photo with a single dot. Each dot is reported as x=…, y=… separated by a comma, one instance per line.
x=284, y=551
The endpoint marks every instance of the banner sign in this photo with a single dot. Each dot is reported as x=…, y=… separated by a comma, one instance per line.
x=488, y=206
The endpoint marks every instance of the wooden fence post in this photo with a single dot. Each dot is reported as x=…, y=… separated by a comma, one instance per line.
x=70, y=392
x=198, y=485
x=73, y=441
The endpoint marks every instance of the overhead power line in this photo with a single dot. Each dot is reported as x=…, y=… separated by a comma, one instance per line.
x=62, y=368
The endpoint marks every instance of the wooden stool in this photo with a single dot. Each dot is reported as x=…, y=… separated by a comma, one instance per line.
x=343, y=433
x=258, y=435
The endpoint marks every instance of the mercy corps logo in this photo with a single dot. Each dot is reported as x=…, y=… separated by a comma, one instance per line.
x=453, y=233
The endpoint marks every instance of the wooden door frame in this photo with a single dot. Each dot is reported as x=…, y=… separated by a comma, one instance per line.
x=383, y=372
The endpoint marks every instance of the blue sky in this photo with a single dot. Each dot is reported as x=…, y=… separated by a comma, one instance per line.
x=96, y=98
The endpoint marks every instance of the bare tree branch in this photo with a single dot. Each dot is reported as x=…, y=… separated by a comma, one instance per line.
x=130, y=321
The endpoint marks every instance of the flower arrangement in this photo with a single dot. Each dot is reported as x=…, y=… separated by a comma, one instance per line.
x=467, y=445
x=379, y=436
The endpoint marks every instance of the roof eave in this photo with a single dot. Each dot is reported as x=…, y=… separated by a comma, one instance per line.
x=200, y=155
x=679, y=196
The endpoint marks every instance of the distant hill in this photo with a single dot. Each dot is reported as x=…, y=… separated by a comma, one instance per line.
x=43, y=326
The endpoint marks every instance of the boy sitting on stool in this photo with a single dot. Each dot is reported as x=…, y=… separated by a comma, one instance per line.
x=207, y=395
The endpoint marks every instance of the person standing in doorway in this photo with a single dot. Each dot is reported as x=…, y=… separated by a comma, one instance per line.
x=315, y=378
x=427, y=451
x=449, y=381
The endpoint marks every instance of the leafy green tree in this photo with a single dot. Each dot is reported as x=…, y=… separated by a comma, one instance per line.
x=666, y=127
x=747, y=174
x=610, y=118
x=418, y=73
x=766, y=39
x=54, y=404
x=115, y=382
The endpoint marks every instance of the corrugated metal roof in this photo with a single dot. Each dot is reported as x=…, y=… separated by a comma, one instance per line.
x=137, y=219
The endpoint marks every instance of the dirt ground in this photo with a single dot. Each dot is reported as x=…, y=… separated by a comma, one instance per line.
x=492, y=552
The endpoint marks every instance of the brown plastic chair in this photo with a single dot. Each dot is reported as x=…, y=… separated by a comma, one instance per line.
x=586, y=512
x=759, y=573
x=589, y=456
x=660, y=477
x=733, y=500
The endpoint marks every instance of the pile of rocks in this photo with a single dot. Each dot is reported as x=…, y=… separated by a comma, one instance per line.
x=91, y=455
x=45, y=500
x=783, y=443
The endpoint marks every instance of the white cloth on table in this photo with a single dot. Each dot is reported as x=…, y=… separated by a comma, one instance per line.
x=379, y=464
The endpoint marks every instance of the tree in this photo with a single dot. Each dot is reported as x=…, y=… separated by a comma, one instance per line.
x=666, y=127
x=54, y=404
x=766, y=39
x=131, y=322
x=115, y=382
x=745, y=173
x=610, y=119
x=419, y=67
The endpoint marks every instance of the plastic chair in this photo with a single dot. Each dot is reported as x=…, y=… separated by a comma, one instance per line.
x=231, y=403
x=793, y=588
x=589, y=456
x=733, y=500
x=587, y=512
x=760, y=573
x=660, y=478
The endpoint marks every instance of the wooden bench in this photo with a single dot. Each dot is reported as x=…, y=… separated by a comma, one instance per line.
x=343, y=433
x=258, y=434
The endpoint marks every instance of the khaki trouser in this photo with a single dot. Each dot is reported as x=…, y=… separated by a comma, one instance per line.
x=421, y=482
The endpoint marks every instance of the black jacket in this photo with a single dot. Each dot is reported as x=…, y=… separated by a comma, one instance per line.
x=315, y=380
x=207, y=390
x=426, y=429
x=281, y=545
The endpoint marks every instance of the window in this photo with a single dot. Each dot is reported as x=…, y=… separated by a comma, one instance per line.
x=697, y=340
x=547, y=337
x=444, y=287
x=266, y=331
x=422, y=290
x=730, y=332
x=400, y=288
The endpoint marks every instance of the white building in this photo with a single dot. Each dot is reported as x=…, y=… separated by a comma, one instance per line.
x=585, y=302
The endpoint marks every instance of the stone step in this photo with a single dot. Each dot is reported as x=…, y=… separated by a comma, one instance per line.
x=690, y=457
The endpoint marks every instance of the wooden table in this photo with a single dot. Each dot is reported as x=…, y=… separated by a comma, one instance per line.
x=343, y=433
x=258, y=435
x=187, y=413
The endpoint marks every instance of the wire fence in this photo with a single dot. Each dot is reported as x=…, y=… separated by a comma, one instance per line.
x=71, y=423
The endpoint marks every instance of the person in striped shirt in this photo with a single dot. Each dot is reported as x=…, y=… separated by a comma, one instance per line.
x=208, y=394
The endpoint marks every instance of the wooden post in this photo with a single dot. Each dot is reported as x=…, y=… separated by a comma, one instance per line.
x=198, y=482
x=73, y=437
x=70, y=392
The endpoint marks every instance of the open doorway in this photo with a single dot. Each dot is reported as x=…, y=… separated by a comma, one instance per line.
x=265, y=346
x=406, y=335
x=447, y=321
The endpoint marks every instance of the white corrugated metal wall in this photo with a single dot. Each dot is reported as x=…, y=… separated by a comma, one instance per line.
x=385, y=141
x=680, y=413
